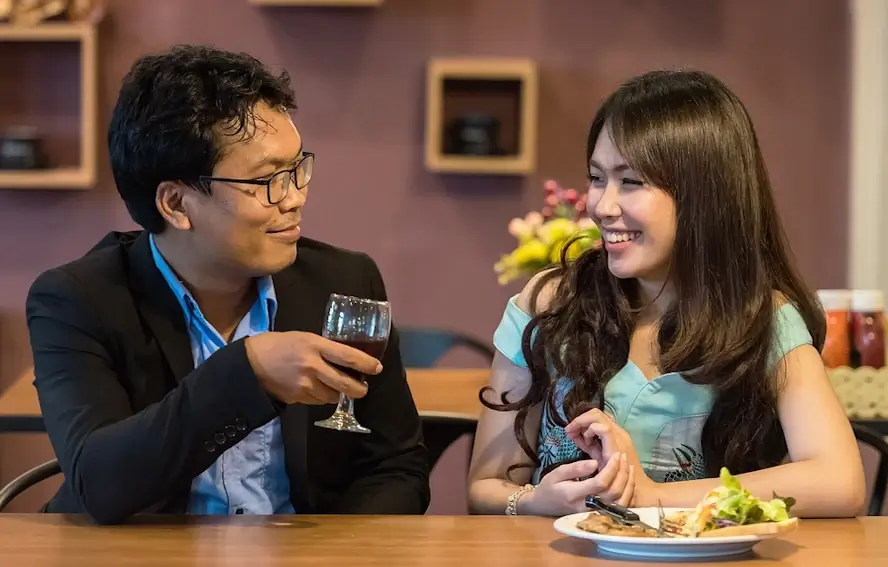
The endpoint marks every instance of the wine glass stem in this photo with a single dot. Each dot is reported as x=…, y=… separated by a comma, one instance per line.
x=345, y=405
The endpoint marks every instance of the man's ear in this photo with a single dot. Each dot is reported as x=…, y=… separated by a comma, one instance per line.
x=170, y=202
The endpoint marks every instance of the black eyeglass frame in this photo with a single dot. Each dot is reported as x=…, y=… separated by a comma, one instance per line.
x=267, y=182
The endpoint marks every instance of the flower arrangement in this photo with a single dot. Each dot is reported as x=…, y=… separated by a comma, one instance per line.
x=542, y=235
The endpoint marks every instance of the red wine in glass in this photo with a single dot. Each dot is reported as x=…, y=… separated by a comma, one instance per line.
x=363, y=324
x=373, y=347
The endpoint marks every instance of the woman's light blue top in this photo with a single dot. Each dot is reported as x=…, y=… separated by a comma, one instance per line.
x=664, y=415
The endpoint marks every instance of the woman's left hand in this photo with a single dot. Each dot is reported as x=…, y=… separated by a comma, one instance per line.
x=594, y=431
x=599, y=436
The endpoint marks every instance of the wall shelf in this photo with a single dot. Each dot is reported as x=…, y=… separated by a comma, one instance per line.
x=504, y=91
x=83, y=176
x=318, y=3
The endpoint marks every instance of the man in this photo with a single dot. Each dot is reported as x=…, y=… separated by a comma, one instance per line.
x=180, y=368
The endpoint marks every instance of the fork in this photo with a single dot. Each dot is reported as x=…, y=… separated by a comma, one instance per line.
x=666, y=527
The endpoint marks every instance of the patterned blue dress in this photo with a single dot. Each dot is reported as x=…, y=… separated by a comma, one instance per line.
x=664, y=415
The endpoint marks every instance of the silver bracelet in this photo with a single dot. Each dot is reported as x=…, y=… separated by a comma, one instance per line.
x=512, y=507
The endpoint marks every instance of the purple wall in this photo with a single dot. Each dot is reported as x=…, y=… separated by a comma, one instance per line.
x=359, y=77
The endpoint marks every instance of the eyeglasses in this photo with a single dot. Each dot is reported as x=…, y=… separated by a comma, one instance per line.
x=278, y=186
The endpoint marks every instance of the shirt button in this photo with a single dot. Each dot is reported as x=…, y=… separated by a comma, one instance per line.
x=241, y=424
x=220, y=438
x=231, y=431
x=210, y=446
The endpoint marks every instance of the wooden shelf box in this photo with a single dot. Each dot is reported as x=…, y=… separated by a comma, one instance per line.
x=319, y=3
x=83, y=176
x=499, y=93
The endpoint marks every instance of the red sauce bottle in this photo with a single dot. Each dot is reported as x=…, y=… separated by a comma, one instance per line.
x=837, y=307
x=868, y=326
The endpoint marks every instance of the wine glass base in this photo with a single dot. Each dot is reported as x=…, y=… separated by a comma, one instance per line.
x=342, y=421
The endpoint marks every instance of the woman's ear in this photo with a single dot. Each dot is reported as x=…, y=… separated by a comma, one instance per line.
x=170, y=202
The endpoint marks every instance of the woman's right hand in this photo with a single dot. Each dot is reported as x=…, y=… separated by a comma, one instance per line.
x=564, y=490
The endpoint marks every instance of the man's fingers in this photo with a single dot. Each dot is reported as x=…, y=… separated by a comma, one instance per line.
x=349, y=357
x=340, y=381
x=321, y=392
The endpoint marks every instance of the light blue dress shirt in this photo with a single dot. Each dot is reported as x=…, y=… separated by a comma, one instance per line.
x=250, y=477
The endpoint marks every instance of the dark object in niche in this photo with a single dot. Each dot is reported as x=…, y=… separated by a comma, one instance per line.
x=21, y=148
x=473, y=134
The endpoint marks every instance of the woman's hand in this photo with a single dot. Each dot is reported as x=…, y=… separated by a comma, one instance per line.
x=564, y=490
x=599, y=436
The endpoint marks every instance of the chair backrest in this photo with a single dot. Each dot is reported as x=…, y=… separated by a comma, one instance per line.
x=441, y=431
x=27, y=480
x=869, y=437
x=422, y=348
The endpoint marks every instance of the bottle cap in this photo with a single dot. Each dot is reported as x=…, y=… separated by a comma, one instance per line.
x=835, y=299
x=867, y=301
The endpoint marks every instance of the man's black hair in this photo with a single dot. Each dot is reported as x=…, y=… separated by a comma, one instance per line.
x=170, y=112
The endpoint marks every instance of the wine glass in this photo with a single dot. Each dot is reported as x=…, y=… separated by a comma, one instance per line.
x=363, y=324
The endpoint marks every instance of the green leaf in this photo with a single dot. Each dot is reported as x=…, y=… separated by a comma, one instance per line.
x=788, y=500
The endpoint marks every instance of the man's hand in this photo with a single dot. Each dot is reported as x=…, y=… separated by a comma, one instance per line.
x=298, y=368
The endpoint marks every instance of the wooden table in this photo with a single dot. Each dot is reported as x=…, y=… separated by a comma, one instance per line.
x=439, y=391
x=390, y=541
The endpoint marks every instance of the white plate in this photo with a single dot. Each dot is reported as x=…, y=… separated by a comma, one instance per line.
x=662, y=548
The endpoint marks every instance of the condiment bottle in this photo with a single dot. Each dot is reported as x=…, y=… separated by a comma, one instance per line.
x=868, y=326
x=837, y=307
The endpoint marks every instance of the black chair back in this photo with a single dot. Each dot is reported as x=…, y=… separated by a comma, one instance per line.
x=422, y=348
x=440, y=431
x=27, y=480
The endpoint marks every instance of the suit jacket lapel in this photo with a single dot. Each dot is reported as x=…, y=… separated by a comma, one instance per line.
x=159, y=308
x=298, y=310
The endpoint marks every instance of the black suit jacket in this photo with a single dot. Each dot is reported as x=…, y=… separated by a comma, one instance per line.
x=132, y=421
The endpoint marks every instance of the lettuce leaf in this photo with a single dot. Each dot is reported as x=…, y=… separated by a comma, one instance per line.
x=733, y=503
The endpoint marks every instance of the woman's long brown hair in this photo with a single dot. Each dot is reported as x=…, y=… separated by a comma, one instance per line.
x=686, y=133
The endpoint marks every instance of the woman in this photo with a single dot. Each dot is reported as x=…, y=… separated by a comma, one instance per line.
x=691, y=321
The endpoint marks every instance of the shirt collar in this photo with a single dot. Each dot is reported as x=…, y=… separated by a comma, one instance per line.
x=265, y=309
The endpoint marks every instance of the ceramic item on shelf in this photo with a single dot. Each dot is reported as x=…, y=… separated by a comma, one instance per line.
x=20, y=148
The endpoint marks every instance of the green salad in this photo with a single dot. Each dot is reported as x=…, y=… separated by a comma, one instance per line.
x=731, y=505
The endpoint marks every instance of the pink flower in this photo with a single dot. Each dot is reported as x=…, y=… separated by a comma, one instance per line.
x=571, y=196
x=550, y=187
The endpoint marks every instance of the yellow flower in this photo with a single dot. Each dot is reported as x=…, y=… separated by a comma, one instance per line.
x=507, y=269
x=556, y=230
x=574, y=251
x=530, y=252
